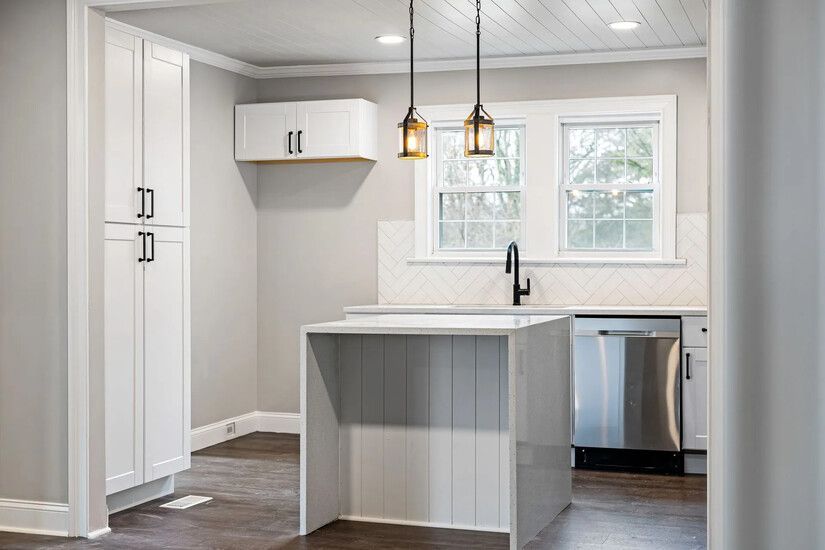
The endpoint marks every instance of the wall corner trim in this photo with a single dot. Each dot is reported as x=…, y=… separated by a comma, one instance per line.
x=32, y=517
x=256, y=421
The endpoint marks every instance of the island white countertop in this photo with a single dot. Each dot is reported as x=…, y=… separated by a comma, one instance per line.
x=456, y=324
x=528, y=310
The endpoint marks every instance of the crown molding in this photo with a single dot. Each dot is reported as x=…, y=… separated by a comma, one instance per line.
x=512, y=62
x=424, y=66
x=194, y=52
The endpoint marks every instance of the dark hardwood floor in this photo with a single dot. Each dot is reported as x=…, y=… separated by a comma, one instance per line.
x=254, y=482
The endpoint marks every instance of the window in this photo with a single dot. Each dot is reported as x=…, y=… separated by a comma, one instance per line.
x=609, y=187
x=479, y=202
x=573, y=181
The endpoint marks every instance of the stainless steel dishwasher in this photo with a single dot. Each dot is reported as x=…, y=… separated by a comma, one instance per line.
x=627, y=394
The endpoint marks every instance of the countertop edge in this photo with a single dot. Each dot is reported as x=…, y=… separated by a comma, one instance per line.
x=526, y=310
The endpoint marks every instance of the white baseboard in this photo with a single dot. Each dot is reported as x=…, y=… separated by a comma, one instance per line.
x=117, y=502
x=257, y=421
x=38, y=518
x=282, y=423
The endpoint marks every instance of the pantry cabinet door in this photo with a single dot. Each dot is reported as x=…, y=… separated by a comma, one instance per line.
x=166, y=135
x=123, y=126
x=123, y=356
x=167, y=353
x=265, y=131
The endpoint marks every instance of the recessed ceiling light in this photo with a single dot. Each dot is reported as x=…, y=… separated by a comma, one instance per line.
x=390, y=39
x=624, y=25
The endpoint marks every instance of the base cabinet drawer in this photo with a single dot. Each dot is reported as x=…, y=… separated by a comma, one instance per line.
x=694, y=399
x=695, y=332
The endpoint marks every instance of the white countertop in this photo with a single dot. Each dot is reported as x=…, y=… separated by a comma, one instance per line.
x=528, y=310
x=431, y=324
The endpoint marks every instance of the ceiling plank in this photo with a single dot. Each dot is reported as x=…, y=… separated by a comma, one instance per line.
x=678, y=17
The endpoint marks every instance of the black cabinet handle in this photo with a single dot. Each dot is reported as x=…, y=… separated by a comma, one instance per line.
x=152, y=247
x=289, y=137
x=299, y=141
x=151, y=202
x=687, y=366
x=143, y=237
x=704, y=329
x=142, y=192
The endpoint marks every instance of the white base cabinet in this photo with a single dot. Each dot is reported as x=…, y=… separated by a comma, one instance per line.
x=337, y=129
x=695, y=399
x=147, y=354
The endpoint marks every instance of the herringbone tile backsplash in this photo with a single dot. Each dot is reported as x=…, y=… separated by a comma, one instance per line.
x=563, y=284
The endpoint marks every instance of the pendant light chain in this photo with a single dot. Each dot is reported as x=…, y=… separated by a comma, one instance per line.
x=412, y=39
x=478, y=52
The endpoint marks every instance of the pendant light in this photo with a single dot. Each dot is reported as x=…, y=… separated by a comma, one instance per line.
x=478, y=128
x=412, y=131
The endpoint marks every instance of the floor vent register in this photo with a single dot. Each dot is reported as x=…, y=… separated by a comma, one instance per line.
x=186, y=502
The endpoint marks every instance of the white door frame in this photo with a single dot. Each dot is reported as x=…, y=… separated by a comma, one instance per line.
x=82, y=442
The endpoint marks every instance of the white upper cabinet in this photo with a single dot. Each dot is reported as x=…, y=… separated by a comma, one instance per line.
x=265, y=131
x=306, y=130
x=124, y=126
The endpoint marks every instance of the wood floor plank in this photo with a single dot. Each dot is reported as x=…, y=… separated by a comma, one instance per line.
x=254, y=483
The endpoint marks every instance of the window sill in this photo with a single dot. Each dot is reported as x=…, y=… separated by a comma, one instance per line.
x=438, y=260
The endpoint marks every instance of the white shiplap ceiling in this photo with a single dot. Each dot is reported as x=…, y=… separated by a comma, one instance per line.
x=282, y=33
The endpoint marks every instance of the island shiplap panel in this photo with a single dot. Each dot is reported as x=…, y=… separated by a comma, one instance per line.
x=432, y=445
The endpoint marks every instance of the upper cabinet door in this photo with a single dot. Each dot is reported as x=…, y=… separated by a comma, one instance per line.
x=124, y=126
x=695, y=398
x=166, y=135
x=328, y=129
x=265, y=131
x=167, y=352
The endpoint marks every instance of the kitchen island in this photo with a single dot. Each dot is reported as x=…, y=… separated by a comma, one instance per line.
x=459, y=421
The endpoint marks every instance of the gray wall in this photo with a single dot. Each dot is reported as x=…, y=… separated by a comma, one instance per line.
x=33, y=314
x=317, y=223
x=772, y=239
x=224, y=251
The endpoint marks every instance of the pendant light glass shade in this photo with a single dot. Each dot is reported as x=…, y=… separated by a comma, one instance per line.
x=479, y=136
x=412, y=137
x=412, y=131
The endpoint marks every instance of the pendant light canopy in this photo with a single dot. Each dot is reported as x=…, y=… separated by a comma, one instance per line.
x=479, y=138
x=412, y=131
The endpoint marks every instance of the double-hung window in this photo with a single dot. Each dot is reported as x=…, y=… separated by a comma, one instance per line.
x=572, y=181
x=478, y=202
x=610, y=188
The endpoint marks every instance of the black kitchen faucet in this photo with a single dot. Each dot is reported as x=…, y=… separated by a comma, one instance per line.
x=518, y=292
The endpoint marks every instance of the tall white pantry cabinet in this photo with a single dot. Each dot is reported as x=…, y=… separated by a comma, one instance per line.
x=146, y=271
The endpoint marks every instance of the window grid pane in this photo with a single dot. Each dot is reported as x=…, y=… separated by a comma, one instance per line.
x=605, y=220
x=469, y=217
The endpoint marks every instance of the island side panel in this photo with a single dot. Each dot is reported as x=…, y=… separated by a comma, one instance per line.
x=320, y=414
x=541, y=477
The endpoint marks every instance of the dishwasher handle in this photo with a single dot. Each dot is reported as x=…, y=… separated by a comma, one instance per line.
x=626, y=332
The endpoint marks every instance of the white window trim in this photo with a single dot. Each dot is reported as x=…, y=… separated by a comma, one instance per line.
x=543, y=131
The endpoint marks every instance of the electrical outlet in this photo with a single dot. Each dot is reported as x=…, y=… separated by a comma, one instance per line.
x=230, y=428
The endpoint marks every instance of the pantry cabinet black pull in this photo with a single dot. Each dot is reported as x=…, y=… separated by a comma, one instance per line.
x=151, y=202
x=299, y=141
x=142, y=192
x=687, y=366
x=152, y=247
x=290, y=141
x=142, y=235
x=704, y=329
